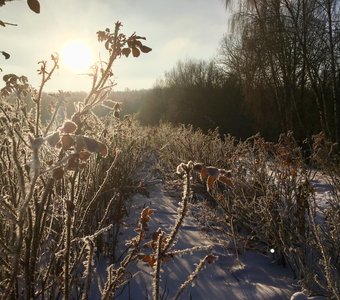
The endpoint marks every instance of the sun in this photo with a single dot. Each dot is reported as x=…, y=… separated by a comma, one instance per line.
x=76, y=56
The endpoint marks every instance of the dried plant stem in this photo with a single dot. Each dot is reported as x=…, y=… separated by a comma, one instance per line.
x=44, y=79
x=182, y=213
x=53, y=117
x=98, y=87
x=95, y=197
x=114, y=276
x=17, y=162
x=88, y=272
x=191, y=277
x=37, y=231
x=15, y=263
x=156, y=275
x=332, y=282
x=107, y=210
x=20, y=220
x=67, y=250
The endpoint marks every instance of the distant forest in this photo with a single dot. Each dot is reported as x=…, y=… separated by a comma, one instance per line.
x=279, y=71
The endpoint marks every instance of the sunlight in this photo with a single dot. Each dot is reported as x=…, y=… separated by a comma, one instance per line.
x=76, y=56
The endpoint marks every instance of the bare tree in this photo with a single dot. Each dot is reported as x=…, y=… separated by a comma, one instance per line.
x=290, y=51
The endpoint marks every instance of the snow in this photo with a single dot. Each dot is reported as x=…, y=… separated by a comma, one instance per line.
x=244, y=275
x=299, y=296
x=250, y=276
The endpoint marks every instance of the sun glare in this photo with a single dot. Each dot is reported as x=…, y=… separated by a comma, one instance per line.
x=76, y=56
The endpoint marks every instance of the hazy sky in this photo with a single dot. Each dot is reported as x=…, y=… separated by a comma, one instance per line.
x=174, y=29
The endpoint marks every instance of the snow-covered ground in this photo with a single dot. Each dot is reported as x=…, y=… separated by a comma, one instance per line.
x=249, y=275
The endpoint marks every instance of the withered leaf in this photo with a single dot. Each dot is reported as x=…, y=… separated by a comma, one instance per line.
x=7, y=56
x=67, y=142
x=145, y=49
x=34, y=5
x=146, y=213
x=150, y=259
x=126, y=51
x=92, y=145
x=138, y=43
x=137, y=37
x=210, y=258
x=84, y=155
x=135, y=52
x=69, y=127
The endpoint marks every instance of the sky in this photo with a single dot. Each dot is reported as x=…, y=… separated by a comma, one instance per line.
x=175, y=30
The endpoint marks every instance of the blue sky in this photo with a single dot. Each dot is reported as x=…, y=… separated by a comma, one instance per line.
x=174, y=29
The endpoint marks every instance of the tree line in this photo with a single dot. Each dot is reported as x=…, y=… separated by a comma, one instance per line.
x=278, y=71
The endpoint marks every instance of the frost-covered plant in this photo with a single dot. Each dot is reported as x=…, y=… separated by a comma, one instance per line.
x=271, y=204
x=52, y=180
x=162, y=244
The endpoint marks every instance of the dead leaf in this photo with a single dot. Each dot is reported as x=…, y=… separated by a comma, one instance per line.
x=84, y=155
x=135, y=52
x=69, y=127
x=67, y=142
x=210, y=258
x=145, y=49
x=34, y=5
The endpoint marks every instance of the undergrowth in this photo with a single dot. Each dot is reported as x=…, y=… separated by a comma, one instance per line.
x=271, y=206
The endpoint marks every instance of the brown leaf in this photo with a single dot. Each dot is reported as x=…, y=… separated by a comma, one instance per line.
x=150, y=259
x=84, y=155
x=67, y=142
x=135, y=52
x=210, y=258
x=145, y=49
x=34, y=5
x=5, y=54
x=69, y=127
x=146, y=213
x=138, y=43
x=90, y=144
x=126, y=51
